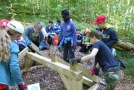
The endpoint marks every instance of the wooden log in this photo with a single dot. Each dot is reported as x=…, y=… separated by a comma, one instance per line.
x=125, y=45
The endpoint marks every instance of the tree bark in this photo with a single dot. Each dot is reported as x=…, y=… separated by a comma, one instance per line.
x=125, y=45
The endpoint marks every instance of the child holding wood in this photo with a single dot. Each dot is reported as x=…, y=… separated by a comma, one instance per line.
x=86, y=43
x=105, y=59
x=10, y=74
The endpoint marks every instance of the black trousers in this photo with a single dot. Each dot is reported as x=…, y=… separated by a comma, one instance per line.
x=68, y=52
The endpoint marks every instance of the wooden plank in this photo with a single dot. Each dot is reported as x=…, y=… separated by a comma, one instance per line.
x=22, y=53
x=77, y=84
x=34, y=67
x=57, y=59
x=86, y=72
x=94, y=87
x=35, y=48
x=28, y=63
x=66, y=81
x=87, y=81
x=59, y=67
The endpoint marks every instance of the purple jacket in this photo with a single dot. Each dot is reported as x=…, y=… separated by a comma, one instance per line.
x=68, y=29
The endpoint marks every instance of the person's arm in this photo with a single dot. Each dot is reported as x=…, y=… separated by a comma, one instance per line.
x=90, y=56
x=60, y=37
x=52, y=29
x=41, y=42
x=27, y=32
x=113, y=39
x=47, y=29
x=15, y=69
x=14, y=65
x=74, y=34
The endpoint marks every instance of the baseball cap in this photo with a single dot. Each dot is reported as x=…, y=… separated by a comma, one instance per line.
x=100, y=18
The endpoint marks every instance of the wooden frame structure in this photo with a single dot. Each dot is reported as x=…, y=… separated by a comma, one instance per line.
x=73, y=77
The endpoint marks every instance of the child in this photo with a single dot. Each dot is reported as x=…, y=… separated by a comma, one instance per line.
x=45, y=43
x=57, y=27
x=104, y=58
x=109, y=35
x=44, y=30
x=50, y=30
x=68, y=38
x=9, y=66
x=35, y=35
x=79, y=37
x=20, y=42
x=86, y=43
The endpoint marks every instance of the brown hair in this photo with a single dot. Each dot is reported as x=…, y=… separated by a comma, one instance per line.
x=96, y=33
x=4, y=47
x=38, y=26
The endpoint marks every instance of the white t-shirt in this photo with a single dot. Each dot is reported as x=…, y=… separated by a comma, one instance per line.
x=44, y=31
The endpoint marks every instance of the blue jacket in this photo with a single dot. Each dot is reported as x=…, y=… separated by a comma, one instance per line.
x=10, y=71
x=28, y=34
x=68, y=29
x=49, y=29
x=109, y=36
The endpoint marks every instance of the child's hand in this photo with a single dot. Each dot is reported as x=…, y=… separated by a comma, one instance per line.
x=92, y=71
x=40, y=47
x=28, y=42
x=74, y=60
x=22, y=86
x=74, y=46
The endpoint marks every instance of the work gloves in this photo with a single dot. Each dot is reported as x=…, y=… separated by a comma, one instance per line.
x=22, y=86
x=40, y=47
x=28, y=42
x=74, y=61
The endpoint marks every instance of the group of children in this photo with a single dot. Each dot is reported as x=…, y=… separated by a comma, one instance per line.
x=63, y=35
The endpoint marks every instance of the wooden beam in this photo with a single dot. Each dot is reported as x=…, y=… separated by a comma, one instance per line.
x=87, y=81
x=34, y=67
x=86, y=72
x=77, y=84
x=59, y=67
x=94, y=87
x=66, y=81
x=36, y=49
x=22, y=53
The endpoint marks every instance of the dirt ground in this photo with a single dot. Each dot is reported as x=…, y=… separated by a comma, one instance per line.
x=50, y=80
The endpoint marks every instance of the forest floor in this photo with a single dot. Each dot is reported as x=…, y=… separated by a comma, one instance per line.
x=50, y=80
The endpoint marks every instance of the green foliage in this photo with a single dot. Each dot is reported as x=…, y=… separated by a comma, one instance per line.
x=130, y=67
x=127, y=56
x=120, y=13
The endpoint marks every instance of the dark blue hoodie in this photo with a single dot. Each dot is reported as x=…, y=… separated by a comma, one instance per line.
x=109, y=36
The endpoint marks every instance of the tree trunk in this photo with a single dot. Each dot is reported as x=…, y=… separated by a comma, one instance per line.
x=125, y=45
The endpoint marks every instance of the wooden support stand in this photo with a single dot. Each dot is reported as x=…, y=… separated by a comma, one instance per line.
x=73, y=77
